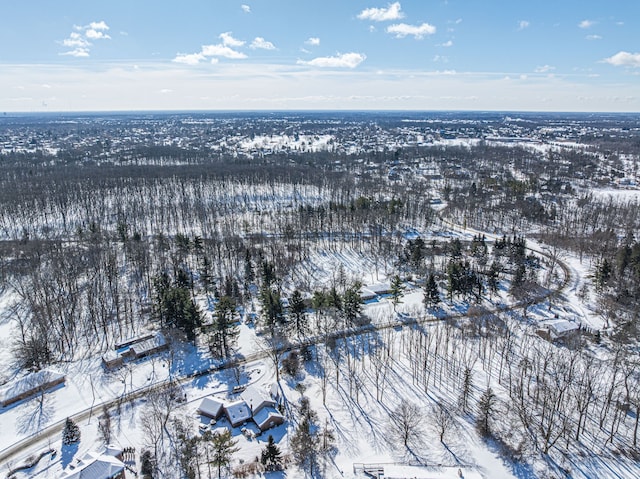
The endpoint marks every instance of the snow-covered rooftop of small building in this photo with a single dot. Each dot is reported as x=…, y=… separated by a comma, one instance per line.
x=29, y=383
x=211, y=407
x=560, y=325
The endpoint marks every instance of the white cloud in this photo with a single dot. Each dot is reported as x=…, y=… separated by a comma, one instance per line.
x=262, y=44
x=96, y=34
x=448, y=43
x=401, y=30
x=166, y=90
x=246, y=8
x=75, y=40
x=77, y=52
x=392, y=12
x=189, y=58
x=544, y=69
x=593, y=37
x=101, y=25
x=345, y=60
x=79, y=42
x=624, y=59
x=222, y=51
x=313, y=41
x=229, y=41
x=522, y=24
x=586, y=23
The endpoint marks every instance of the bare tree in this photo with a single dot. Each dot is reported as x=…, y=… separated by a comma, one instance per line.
x=405, y=423
x=443, y=420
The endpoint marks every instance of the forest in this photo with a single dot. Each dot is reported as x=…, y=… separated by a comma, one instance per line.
x=481, y=228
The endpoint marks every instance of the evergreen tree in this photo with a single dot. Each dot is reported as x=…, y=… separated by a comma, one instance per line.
x=174, y=307
x=146, y=465
x=70, y=433
x=352, y=303
x=272, y=312
x=298, y=314
x=493, y=276
x=603, y=273
x=304, y=444
x=431, y=293
x=223, y=447
x=271, y=457
x=486, y=407
x=396, y=290
x=225, y=331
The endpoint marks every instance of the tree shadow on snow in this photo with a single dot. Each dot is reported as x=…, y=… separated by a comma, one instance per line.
x=37, y=413
x=67, y=453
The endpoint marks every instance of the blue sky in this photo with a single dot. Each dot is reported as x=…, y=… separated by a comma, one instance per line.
x=561, y=55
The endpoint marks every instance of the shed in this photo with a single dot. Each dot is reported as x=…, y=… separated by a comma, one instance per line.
x=29, y=385
x=149, y=346
x=112, y=360
x=211, y=407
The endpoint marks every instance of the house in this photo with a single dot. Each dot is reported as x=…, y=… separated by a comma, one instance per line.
x=267, y=417
x=237, y=412
x=263, y=408
x=557, y=329
x=257, y=399
x=30, y=385
x=95, y=465
x=211, y=407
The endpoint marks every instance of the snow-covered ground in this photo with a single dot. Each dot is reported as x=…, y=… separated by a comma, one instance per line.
x=356, y=408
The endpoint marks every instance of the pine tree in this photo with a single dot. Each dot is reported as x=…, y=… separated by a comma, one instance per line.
x=431, y=294
x=396, y=290
x=225, y=331
x=271, y=456
x=304, y=444
x=223, y=447
x=486, y=407
x=352, y=303
x=70, y=433
x=297, y=311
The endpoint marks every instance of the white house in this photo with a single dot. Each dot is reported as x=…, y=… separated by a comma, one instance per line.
x=96, y=465
x=263, y=408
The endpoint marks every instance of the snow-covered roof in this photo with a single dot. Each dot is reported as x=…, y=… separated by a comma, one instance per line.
x=149, y=345
x=29, y=384
x=560, y=326
x=256, y=399
x=379, y=288
x=237, y=412
x=267, y=417
x=95, y=465
x=211, y=407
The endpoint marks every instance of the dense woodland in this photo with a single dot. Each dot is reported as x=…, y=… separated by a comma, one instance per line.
x=120, y=224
